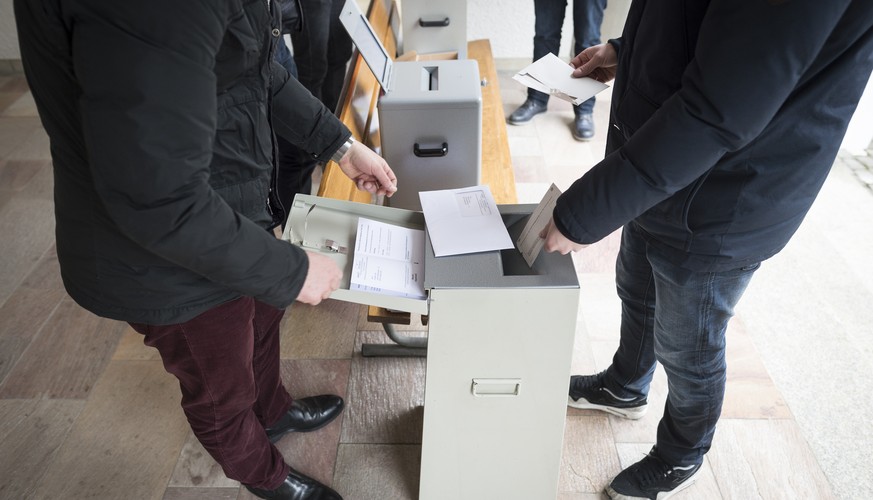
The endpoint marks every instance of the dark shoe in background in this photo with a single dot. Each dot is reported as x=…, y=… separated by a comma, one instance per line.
x=298, y=487
x=305, y=415
x=651, y=477
x=527, y=111
x=583, y=127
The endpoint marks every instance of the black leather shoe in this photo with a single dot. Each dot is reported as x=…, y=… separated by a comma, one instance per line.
x=583, y=127
x=526, y=111
x=298, y=487
x=306, y=414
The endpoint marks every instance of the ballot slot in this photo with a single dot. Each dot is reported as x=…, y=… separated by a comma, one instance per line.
x=511, y=261
x=430, y=78
x=500, y=268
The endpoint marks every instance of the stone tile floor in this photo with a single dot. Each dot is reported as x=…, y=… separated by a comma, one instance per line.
x=86, y=411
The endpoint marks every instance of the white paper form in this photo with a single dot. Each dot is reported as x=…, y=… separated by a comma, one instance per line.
x=550, y=75
x=529, y=242
x=388, y=259
x=464, y=220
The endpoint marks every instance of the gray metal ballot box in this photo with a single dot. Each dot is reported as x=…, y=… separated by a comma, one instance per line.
x=500, y=342
x=430, y=116
x=430, y=27
x=431, y=128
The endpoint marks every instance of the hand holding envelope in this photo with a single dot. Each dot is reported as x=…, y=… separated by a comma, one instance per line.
x=552, y=76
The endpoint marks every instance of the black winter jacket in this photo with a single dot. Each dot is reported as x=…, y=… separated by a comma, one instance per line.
x=159, y=115
x=726, y=118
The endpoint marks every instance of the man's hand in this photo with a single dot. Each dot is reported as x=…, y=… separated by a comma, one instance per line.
x=369, y=171
x=322, y=278
x=598, y=62
x=557, y=242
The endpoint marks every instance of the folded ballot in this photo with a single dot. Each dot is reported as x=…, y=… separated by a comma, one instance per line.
x=553, y=76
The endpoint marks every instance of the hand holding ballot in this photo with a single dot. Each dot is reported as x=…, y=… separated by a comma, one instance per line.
x=553, y=76
x=557, y=242
x=598, y=62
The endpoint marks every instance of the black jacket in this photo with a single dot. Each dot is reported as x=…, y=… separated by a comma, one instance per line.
x=726, y=118
x=159, y=115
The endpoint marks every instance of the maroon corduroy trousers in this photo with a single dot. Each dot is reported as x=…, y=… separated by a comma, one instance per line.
x=227, y=363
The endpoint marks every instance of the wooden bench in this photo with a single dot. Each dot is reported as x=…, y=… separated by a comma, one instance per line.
x=357, y=110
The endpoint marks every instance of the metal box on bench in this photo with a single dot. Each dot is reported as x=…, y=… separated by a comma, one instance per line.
x=500, y=341
x=430, y=116
x=431, y=128
x=433, y=27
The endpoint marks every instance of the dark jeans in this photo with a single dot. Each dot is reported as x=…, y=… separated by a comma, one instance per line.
x=677, y=317
x=322, y=50
x=283, y=56
x=587, y=18
x=227, y=363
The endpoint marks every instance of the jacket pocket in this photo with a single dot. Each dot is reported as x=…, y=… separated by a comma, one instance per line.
x=633, y=111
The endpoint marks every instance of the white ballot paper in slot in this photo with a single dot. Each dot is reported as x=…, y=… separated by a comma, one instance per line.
x=464, y=220
x=529, y=242
x=388, y=259
x=550, y=75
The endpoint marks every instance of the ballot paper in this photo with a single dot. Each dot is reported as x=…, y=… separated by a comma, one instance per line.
x=529, y=242
x=465, y=220
x=388, y=259
x=552, y=76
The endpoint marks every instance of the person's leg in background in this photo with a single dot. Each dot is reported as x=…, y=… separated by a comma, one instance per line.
x=322, y=49
x=294, y=174
x=311, y=45
x=339, y=51
x=548, y=20
x=283, y=56
x=587, y=18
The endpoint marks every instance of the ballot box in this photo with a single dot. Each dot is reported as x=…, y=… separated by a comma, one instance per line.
x=500, y=341
x=430, y=115
x=435, y=27
x=431, y=128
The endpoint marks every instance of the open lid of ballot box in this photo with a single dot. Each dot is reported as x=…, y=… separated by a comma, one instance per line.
x=329, y=226
x=368, y=44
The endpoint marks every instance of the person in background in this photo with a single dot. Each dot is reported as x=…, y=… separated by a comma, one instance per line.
x=322, y=49
x=292, y=20
x=161, y=117
x=549, y=18
x=726, y=119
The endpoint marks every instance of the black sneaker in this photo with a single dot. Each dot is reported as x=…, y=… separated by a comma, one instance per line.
x=651, y=478
x=587, y=393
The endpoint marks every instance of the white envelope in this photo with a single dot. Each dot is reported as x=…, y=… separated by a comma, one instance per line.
x=464, y=220
x=553, y=76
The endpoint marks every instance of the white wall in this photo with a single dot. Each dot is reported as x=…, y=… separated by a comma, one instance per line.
x=509, y=24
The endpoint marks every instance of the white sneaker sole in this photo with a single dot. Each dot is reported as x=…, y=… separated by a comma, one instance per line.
x=628, y=413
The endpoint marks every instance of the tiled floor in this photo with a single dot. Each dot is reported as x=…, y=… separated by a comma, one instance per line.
x=86, y=411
